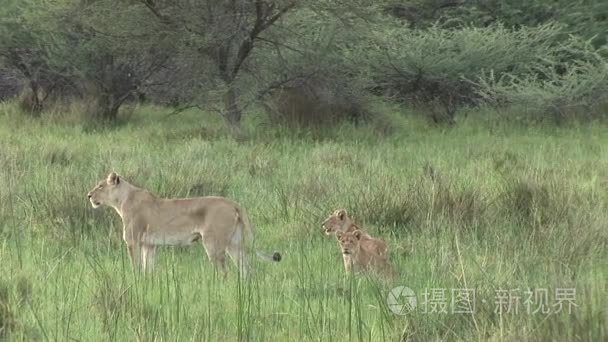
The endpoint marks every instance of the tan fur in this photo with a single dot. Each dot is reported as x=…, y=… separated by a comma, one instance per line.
x=148, y=221
x=339, y=221
x=355, y=256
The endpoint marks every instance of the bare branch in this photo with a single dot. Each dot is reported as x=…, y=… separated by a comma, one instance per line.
x=152, y=7
x=182, y=109
x=275, y=44
x=262, y=23
x=268, y=22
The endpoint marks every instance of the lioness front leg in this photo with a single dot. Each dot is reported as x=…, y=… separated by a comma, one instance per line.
x=134, y=254
x=148, y=252
x=131, y=234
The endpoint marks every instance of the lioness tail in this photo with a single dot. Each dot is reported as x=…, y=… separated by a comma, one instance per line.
x=244, y=221
x=276, y=256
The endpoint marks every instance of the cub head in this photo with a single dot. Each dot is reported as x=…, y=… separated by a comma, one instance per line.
x=107, y=191
x=349, y=242
x=335, y=222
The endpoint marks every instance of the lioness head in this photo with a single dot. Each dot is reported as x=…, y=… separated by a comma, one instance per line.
x=107, y=191
x=349, y=242
x=335, y=222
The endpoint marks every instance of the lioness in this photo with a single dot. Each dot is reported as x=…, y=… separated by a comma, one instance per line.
x=363, y=259
x=149, y=221
x=339, y=221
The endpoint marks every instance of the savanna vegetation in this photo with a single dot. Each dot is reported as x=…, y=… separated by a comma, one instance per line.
x=470, y=135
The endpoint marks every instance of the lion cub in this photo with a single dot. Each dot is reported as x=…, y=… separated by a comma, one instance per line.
x=356, y=256
x=340, y=222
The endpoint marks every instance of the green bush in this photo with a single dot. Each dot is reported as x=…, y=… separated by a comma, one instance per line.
x=313, y=83
x=572, y=84
x=431, y=68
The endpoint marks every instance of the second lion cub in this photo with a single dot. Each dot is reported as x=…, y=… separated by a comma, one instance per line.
x=367, y=247
x=355, y=256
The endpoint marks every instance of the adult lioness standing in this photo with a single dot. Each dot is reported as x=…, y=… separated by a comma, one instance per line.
x=148, y=221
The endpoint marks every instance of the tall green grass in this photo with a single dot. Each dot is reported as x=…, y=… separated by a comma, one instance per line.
x=477, y=206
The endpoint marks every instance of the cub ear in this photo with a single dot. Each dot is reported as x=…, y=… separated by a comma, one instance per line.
x=341, y=214
x=357, y=234
x=338, y=234
x=113, y=179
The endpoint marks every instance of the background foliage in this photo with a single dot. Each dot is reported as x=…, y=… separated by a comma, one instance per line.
x=308, y=63
x=467, y=133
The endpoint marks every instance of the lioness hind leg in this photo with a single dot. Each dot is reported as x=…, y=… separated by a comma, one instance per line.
x=238, y=255
x=217, y=257
x=219, y=260
x=236, y=249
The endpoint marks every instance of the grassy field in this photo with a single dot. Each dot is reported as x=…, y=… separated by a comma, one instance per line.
x=503, y=211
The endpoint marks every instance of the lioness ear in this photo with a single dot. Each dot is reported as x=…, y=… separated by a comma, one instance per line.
x=113, y=179
x=357, y=234
x=341, y=214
